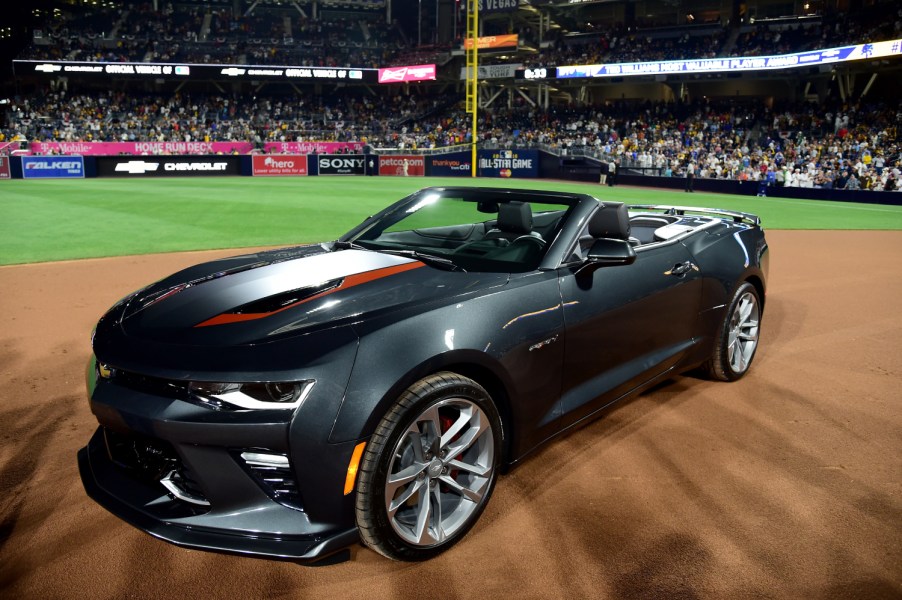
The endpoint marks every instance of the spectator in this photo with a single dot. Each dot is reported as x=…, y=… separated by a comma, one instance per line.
x=690, y=176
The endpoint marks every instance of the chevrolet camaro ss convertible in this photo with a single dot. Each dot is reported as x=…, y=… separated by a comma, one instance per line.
x=289, y=403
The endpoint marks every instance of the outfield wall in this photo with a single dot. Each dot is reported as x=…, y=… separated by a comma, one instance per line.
x=517, y=164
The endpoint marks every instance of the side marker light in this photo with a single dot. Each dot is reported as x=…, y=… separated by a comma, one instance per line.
x=352, y=467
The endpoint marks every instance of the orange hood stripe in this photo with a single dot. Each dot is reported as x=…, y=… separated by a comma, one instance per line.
x=348, y=282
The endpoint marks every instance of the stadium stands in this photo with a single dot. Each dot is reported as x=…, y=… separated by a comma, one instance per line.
x=801, y=144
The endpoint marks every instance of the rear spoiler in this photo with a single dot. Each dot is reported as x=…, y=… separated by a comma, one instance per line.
x=738, y=217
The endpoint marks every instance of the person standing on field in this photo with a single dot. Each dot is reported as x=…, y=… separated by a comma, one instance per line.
x=690, y=176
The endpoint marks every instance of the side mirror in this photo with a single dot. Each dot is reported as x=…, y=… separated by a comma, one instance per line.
x=606, y=252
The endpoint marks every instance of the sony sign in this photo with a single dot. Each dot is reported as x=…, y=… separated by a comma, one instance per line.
x=341, y=164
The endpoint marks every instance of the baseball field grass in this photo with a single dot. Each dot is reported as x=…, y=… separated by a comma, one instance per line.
x=51, y=220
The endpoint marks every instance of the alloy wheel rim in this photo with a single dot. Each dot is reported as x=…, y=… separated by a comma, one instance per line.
x=440, y=471
x=743, y=335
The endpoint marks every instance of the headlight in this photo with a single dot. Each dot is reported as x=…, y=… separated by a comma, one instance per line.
x=281, y=395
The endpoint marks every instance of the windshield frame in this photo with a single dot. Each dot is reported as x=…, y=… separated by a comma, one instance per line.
x=467, y=249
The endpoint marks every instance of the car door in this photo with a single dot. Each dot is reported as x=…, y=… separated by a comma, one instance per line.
x=625, y=324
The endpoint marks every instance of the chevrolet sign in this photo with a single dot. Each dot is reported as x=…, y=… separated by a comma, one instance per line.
x=137, y=167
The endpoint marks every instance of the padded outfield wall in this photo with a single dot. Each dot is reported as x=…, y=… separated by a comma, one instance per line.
x=507, y=163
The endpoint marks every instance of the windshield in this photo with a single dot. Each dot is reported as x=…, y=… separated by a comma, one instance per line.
x=474, y=231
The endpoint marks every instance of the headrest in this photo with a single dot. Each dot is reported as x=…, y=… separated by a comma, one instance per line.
x=612, y=220
x=515, y=217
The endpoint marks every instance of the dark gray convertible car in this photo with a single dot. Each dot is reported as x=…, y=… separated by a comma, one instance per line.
x=292, y=402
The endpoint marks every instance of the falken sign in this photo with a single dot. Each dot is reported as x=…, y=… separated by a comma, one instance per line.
x=341, y=164
x=167, y=166
x=53, y=167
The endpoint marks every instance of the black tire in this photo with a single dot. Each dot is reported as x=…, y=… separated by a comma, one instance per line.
x=445, y=486
x=736, y=339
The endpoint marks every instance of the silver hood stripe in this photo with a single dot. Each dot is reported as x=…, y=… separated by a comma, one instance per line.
x=356, y=268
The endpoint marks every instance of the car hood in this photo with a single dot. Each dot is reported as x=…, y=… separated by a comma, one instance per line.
x=262, y=297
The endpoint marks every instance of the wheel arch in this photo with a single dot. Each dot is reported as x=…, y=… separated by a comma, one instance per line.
x=499, y=394
x=758, y=283
x=476, y=365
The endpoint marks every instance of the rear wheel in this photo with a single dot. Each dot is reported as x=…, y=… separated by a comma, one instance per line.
x=429, y=469
x=737, y=338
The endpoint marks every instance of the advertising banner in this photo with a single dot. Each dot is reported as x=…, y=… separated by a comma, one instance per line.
x=488, y=42
x=493, y=71
x=508, y=163
x=279, y=164
x=341, y=164
x=168, y=166
x=493, y=6
x=457, y=163
x=140, y=148
x=402, y=74
x=312, y=147
x=191, y=71
x=53, y=167
x=4, y=167
x=736, y=64
x=405, y=166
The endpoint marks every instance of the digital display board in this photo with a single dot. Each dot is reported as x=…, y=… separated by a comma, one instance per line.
x=737, y=64
x=407, y=74
x=536, y=73
x=138, y=70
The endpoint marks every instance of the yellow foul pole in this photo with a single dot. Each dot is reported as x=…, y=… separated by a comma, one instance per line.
x=472, y=56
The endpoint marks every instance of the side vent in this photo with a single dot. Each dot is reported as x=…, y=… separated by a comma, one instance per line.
x=273, y=474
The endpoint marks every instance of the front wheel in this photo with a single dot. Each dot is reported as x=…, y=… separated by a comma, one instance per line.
x=737, y=338
x=429, y=469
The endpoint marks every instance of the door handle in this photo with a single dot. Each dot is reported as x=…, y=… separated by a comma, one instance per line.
x=681, y=269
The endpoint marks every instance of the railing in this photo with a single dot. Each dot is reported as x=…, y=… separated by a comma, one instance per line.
x=5, y=148
x=425, y=151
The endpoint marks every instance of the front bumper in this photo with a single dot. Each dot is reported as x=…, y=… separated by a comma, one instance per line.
x=178, y=471
x=95, y=466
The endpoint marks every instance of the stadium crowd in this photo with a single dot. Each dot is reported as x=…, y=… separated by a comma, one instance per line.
x=849, y=146
x=622, y=44
x=202, y=33
x=845, y=146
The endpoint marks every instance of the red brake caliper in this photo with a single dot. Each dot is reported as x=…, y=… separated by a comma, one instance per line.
x=446, y=423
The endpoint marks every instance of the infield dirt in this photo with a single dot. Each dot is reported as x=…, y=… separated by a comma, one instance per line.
x=785, y=484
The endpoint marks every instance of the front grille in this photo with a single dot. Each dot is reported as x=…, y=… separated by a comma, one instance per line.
x=150, y=460
x=151, y=385
x=273, y=474
x=165, y=388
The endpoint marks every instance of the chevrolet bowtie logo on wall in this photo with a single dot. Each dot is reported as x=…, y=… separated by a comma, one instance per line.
x=137, y=167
